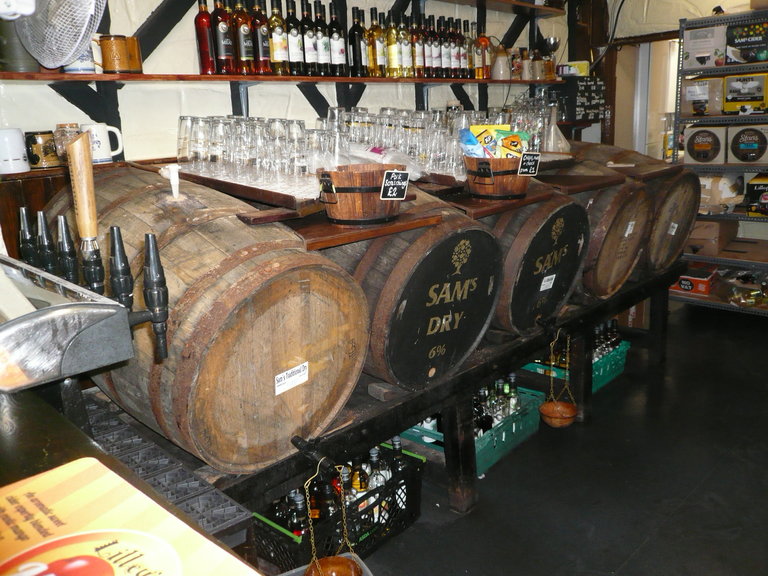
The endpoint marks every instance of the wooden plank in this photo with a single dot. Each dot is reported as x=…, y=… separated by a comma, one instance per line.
x=575, y=183
x=477, y=208
x=267, y=216
x=646, y=172
x=319, y=233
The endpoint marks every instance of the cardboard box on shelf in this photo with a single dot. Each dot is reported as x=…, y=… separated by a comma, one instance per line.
x=744, y=94
x=637, y=316
x=746, y=43
x=758, y=4
x=724, y=189
x=708, y=238
x=702, y=97
x=706, y=145
x=704, y=47
x=747, y=144
x=699, y=279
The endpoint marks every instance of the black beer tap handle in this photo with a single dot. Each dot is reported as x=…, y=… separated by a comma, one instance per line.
x=309, y=450
x=45, y=247
x=66, y=252
x=156, y=294
x=27, y=243
x=93, y=267
x=120, y=279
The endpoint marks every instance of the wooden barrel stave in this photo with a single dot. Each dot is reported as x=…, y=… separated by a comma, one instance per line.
x=543, y=246
x=246, y=306
x=409, y=278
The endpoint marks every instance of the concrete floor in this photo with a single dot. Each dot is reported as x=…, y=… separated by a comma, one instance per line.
x=668, y=479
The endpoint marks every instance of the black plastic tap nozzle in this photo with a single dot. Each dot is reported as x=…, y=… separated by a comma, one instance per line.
x=67, y=254
x=156, y=294
x=27, y=242
x=309, y=450
x=120, y=279
x=93, y=267
x=46, y=250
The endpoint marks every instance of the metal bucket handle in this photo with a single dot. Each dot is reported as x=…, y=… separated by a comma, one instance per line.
x=326, y=187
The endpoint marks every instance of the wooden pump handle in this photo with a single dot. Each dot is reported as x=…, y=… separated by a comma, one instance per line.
x=81, y=174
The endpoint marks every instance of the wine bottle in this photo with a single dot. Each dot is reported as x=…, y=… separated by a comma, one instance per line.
x=394, y=64
x=310, y=40
x=242, y=23
x=363, y=41
x=468, y=52
x=436, y=49
x=483, y=53
x=377, y=67
x=323, y=41
x=204, y=35
x=224, y=45
x=261, y=37
x=417, y=47
x=338, y=44
x=295, y=41
x=278, y=41
x=355, y=40
x=445, y=48
x=453, y=42
x=404, y=42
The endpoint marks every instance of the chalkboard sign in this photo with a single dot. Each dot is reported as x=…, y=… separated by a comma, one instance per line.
x=529, y=164
x=395, y=185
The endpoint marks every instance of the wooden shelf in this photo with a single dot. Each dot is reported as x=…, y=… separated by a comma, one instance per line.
x=720, y=168
x=62, y=77
x=517, y=7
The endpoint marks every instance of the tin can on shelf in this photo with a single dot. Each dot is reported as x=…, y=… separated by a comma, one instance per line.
x=41, y=150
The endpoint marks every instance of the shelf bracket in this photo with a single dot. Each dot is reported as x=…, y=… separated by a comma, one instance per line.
x=101, y=104
x=160, y=23
x=515, y=29
x=421, y=95
x=349, y=95
x=238, y=95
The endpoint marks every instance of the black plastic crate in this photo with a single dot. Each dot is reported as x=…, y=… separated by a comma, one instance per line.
x=178, y=484
x=375, y=516
x=218, y=515
x=120, y=440
x=149, y=460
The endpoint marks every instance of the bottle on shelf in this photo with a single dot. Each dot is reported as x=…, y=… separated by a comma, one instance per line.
x=261, y=38
x=394, y=64
x=295, y=41
x=323, y=41
x=359, y=476
x=338, y=44
x=377, y=46
x=445, y=48
x=204, y=34
x=224, y=44
x=404, y=43
x=377, y=479
x=278, y=41
x=417, y=47
x=423, y=24
x=242, y=24
x=309, y=39
x=537, y=66
x=298, y=521
x=364, y=42
x=482, y=54
x=454, y=42
x=356, y=43
x=436, y=49
x=467, y=52
x=526, y=69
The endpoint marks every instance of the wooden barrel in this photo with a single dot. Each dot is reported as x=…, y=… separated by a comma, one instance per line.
x=266, y=340
x=430, y=291
x=543, y=246
x=675, y=195
x=619, y=219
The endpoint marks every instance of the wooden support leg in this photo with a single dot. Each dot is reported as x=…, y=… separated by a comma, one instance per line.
x=580, y=371
x=658, y=327
x=460, y=463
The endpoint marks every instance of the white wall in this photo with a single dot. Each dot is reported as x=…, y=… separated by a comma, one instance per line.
x=150, y=110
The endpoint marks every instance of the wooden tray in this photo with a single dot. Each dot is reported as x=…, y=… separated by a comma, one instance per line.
x=646, y=172
x=575, y=183
x=477, y=208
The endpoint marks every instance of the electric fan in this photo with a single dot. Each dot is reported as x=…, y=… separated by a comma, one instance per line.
x=59, y=30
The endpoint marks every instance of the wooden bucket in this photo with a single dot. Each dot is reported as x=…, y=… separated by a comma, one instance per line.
x=430, y=291
x=266, y=340
x=543, y=246
x=351, y=194
x=495, y=178
x=675, y=194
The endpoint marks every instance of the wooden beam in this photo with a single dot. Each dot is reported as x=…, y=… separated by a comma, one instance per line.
x=159, y=24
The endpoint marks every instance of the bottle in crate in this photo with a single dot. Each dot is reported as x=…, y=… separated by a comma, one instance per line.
x=298, y=520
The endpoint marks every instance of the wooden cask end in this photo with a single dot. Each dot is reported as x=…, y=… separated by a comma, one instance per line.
x=543, y=246
x=619, y=219
x=430, y=291
x=266, y=340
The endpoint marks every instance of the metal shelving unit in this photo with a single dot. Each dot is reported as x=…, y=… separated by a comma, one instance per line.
x=742, y=253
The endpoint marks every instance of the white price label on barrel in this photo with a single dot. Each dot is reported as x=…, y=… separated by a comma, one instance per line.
x=291, y=378
x=395, y=185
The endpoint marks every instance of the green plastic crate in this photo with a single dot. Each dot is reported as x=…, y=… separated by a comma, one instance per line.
x=603, y=371
x=499, y=440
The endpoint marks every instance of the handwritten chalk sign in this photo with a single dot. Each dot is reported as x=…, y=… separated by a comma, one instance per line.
x=395, y=185
x=529, y=164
